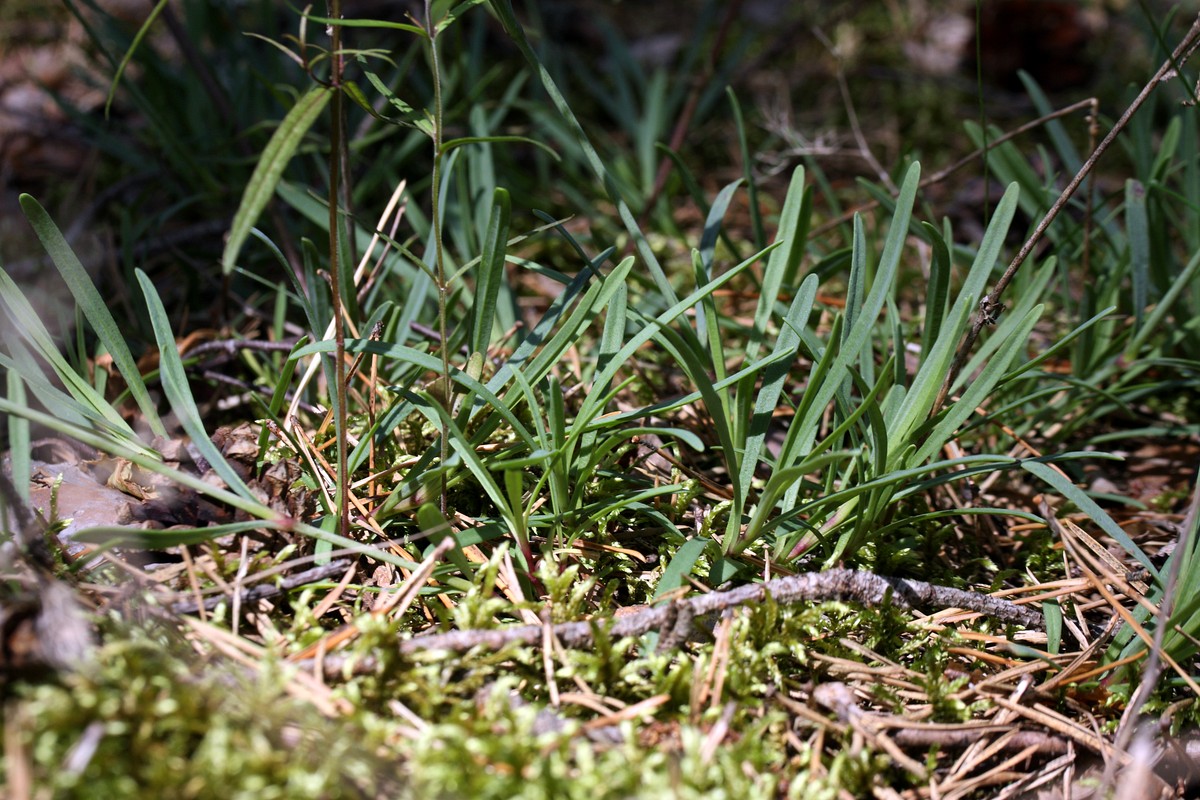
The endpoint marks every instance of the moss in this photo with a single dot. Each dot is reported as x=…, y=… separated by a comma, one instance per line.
x=162, y=726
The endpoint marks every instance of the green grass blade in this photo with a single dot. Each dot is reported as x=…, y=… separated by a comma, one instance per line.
x=775, y=376
x=937, y=293
x=680, y=566
x=370, y=23
x=1012, y=318
x=981, y=386
x=91, y=403
x=756, y=222
x=1138, y=226
x=275, y=158
x=137, y=40
x=696, y=368
x=1054, y=128
x=1061, y=484
x=428, y=363
x=179, y=393
x=856, y=340
x=19, y=446
x=108, y=536
x=784, y=261
x=665, y=318
x=925, y=386
x=508, y=19
x=54, y=400
x=567, y=335
x=195, y=482
x=93, y=306
x=712, y=225
x=1156, y=317
x=708, y=327
x=610, y=343
x=452, y=144
x=434, y=412
x=491, y=272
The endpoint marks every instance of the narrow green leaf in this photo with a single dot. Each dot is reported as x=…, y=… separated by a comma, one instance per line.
x=370, y=23
x=977, y=392
x=508, y=19
x=856, y=340
x=491, y=272
x=1138, y=226
x=429, y=363
x=453, y=144
x=133, y=46
x=1054, y=128
x=250, y=506
x=267, y=173
x=760, y=235
x=783, y=262
x=1156, y=317
x=712, y=225
x=93, y=306
x=18, y=440
x=435, y=525
x=1052, y=612
x=179, y=393
x=775, y=377
x=567, y=335
x=436, y=414
x=52, y=398
x=652, y=327
x=1061, y=484
x=90, y=402
x=148, y=539
x=918, y=402
x=937, y=291
x=583, y=440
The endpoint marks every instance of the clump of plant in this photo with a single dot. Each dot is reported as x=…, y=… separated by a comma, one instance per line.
x=489, y=455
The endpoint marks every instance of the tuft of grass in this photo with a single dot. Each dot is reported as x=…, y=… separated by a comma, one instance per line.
x=506, y=419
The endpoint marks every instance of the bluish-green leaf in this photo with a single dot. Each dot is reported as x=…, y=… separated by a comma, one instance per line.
x=491, y=272
x=93, y=307
x=179, y=393
x=1061, y=484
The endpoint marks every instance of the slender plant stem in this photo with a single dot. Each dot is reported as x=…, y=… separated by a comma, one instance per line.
x=336, y=144
x=699, y=81
x=438, y=254
x=941, y=175
x=990, y=306
x=983, y=128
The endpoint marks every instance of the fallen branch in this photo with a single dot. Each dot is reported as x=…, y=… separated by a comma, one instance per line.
x=266, y=590
x=675, y=620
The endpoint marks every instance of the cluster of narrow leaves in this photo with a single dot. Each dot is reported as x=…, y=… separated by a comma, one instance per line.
x=525, y=445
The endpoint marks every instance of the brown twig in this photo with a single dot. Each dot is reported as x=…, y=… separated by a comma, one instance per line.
x=231, y=347
x=675, y=620
x=942, y=174
x=1132, y=719
x=990, y=306
x=263, y=591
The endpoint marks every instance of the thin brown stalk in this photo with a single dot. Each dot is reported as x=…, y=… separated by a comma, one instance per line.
x=990, y=306
x=684, y=121
x=941, y=175
x=336, y=145
x=443, y=290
